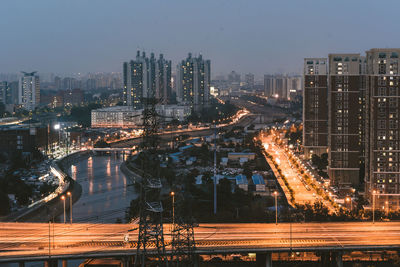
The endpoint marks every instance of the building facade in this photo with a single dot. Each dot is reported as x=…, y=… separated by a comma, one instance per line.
x=315, y=107
x=193, y=82
x=363, y=122
x=29, y=91
x=344, y=83
x=146, y=77
x=382, y=166
x=163, y=81
x=116, y=117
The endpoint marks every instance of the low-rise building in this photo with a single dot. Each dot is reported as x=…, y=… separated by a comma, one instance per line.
x=241, y=182
x=259, y=182
x=128, y=117
x=170, y=112
x=116, y=117
x=237, y=156
x=25, y=138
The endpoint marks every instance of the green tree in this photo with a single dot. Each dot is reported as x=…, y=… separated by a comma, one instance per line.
x=4, y=203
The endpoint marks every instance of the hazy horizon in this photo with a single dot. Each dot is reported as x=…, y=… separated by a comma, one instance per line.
x=258, y=36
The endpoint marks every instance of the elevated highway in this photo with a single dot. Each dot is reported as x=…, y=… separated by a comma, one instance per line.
x=38, y=241
x=168, y=135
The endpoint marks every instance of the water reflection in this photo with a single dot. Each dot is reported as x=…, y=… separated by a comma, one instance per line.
x=73, y=172
x=105, y=190
x=90, y=174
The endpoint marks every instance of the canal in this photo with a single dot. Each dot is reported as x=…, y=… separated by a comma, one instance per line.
x=106, y=191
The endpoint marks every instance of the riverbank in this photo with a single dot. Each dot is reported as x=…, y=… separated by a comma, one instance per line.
x=49, y=208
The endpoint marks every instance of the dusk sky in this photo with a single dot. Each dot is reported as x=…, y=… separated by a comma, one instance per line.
x=257, y=36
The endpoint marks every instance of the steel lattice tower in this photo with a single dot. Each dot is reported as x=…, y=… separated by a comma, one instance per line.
x=183, y=244
x=151, y=234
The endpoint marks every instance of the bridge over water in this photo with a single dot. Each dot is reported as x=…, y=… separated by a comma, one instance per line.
x=40, y=241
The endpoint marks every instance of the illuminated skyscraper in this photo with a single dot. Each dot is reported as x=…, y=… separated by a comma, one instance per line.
x=345, y=84
x=382, y=168
x=193, y=82
x=29, y=91
x=163, y=80
x=144, y=75
x=315, y=107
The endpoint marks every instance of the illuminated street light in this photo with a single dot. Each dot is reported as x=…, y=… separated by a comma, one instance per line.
x=173, y=210
x=349, y=200
x=63, y=199
x=387, y=208
x=373, y=206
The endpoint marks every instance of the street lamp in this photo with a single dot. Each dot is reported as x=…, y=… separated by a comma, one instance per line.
x=387, y=208
x=70, y=206
x=276, y=207
x=348, y=199
x=173, y=208
x=373, y=206
x=63, y=199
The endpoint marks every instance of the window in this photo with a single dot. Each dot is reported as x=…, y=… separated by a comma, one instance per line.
x=381, y=124
x=381, y=81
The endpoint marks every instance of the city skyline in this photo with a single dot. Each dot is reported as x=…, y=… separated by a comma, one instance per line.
x=265, y=37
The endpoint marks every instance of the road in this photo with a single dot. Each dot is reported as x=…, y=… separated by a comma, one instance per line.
x=18, y=240
x=244, y=121
x=303, y=193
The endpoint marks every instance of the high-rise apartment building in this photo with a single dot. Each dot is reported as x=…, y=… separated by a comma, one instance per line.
x=5, y=93
x=344, y=87
x=249, y=80
x=268, y=85
x=145, y=77
x=282, y=86
x=29, y=91
x=382, y=166
x=315, y=107
x=163, y=80
x=193, y=82
x=363, y=122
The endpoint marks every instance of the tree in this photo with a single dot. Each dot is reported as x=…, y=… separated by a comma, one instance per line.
x=4, y=204
x=2, y=109
x=101, y=144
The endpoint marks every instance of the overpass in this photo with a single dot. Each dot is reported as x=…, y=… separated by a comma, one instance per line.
x=41, y=241
x=167, y=135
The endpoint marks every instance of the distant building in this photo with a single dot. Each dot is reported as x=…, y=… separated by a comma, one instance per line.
x=29, y=91
x=163, y=81
x=116, y=117
x=25, y=138
x=71, y=97
x=282, y=86
x=128, y=117
x=237, y=156
x=249, y=80
x=146, y=77
x=268, y=85
x=170, y=112
x=9, y=95
x=193, y=82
